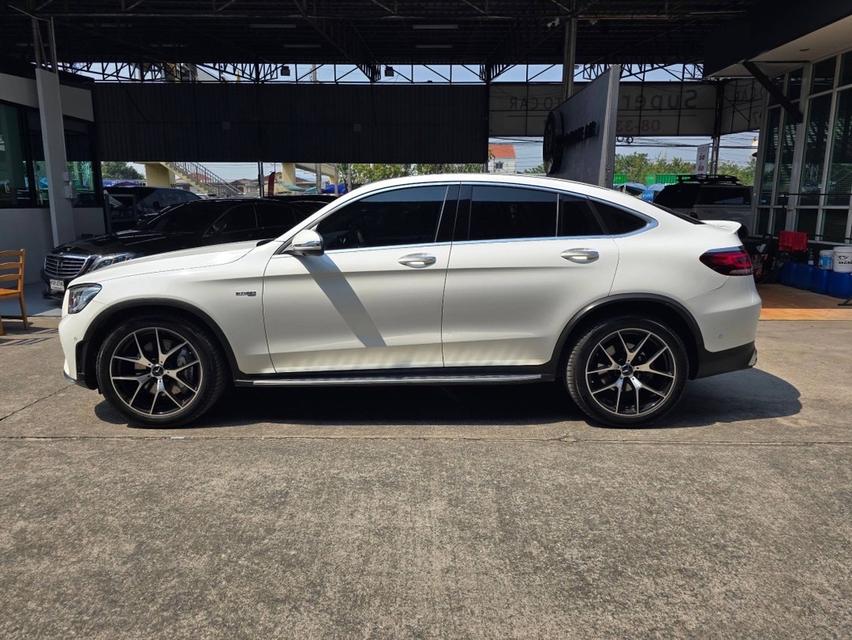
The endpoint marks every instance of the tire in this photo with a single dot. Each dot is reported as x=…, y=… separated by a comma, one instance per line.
x=171, y=387
x=606, y=390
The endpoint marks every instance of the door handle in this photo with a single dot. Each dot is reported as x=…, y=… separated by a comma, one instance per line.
x=417, y=260
x=581, y=256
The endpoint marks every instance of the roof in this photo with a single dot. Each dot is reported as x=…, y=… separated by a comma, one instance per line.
x=370, y=32
x=501, y=151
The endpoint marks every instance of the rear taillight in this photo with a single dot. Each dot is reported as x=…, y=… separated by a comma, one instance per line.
x=728, y=262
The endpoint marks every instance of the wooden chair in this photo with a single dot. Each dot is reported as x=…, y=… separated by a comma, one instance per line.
x=12, y=270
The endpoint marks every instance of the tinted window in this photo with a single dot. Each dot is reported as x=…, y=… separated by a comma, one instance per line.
x=727, y=195
x=617, y=220
x=401, y=216
x=498, y=213
x=271, y=215
x=576, y=217
x=239, y=218
x=678, y=196
x=192, y=217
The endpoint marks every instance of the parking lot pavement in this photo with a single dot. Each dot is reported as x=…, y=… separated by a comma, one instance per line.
x=461, y=512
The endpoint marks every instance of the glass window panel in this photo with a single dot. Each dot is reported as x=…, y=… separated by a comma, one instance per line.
x=846, y=69
x=616, y=220
x=576, y=218
x=785, y=159
x=770, y=155
x=14, y=187
x=499, y=213
x=762, y=220
x=823, y=75
x=794, y=85
x=779, y=220
x=807, y=221
x=398, y=217
x=840, y=172
x=816, y=138
x=834, y=225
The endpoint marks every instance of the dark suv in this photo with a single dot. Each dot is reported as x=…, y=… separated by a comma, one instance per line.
x=182, y=226
x=710, y=197
x=128, y=205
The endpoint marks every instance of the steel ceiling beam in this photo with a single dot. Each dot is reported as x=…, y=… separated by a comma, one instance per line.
x=346, y=39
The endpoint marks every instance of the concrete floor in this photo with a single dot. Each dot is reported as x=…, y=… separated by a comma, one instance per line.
x=462, y=512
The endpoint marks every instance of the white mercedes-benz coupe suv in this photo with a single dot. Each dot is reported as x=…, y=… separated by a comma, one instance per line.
x=444, y=279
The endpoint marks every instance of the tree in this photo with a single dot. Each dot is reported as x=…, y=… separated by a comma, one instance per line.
x=539, y=170
x=366, y=173
x=120, y=171
x=637, y=167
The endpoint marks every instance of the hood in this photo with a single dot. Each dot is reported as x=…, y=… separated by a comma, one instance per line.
x=210, y=255
x=138, y=241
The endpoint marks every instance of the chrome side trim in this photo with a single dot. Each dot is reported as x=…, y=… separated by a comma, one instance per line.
x=356, y=381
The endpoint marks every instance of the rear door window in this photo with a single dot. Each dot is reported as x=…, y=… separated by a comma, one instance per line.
x=505, y=213
x=576, y=217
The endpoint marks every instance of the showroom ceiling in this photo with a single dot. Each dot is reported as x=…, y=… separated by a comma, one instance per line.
x=370, y=32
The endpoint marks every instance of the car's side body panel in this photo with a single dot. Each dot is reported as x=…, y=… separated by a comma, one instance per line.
x=355, y=309
x=506, y=302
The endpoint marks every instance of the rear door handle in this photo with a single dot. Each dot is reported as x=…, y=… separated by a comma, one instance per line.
x=417, y=260
x=581, y=256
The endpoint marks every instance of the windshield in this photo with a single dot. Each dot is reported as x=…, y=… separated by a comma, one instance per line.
x=190, y=217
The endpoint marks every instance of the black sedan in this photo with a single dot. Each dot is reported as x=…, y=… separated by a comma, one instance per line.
x=183, y=226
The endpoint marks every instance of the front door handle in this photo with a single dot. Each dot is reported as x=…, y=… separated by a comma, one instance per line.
x=581, y=256
x=417, y=260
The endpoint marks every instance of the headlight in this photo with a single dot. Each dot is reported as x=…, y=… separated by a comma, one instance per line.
x=115, y=258
x=80, y=295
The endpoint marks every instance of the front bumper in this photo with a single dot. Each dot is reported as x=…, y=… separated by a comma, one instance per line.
x=711, y=363
x=72, y=332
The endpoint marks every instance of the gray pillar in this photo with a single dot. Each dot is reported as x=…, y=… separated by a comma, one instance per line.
x=55, y=161
x=569, y=56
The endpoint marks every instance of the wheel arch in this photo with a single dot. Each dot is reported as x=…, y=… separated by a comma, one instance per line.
x=87, y=348
x=652, y=306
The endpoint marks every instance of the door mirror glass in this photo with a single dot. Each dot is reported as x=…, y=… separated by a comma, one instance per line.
x=306, y=243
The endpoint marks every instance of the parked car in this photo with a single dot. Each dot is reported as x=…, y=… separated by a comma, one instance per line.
x=711, y=197
x=190, y=224
x=443, y=279
x=631, y=188
x=651, y=192
x=127, y=205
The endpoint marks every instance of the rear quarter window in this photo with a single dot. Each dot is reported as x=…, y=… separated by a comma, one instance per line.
x=616, y=220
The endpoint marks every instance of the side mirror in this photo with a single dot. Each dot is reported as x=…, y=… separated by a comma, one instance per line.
x=306, y=243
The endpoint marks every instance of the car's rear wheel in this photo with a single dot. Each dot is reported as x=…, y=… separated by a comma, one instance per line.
x=161, y=371
x=627, y=371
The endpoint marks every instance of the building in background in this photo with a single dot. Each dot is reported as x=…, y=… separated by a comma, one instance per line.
x=501, y=158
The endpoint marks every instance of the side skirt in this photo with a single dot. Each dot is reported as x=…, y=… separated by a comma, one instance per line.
x=393, y=379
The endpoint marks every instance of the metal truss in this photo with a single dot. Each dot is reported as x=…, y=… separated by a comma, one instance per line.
x=680, y=72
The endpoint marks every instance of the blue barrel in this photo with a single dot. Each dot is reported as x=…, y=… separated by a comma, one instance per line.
x=802, y=275
x=839, y=284
x=785, y=276
x=819, y=281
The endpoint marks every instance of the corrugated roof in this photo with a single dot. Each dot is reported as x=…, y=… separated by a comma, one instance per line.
x=501, y=151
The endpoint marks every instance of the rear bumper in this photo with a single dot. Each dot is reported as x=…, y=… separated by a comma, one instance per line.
x=711, y=363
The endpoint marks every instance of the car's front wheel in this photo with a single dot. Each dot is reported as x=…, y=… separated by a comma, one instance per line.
x=627, y=371
x=161, y=371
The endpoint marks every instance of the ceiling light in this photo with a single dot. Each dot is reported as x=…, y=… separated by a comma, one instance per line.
x=389, y=73
x=284, y=70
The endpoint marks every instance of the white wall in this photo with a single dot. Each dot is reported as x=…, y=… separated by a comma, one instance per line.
x=30, y=229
